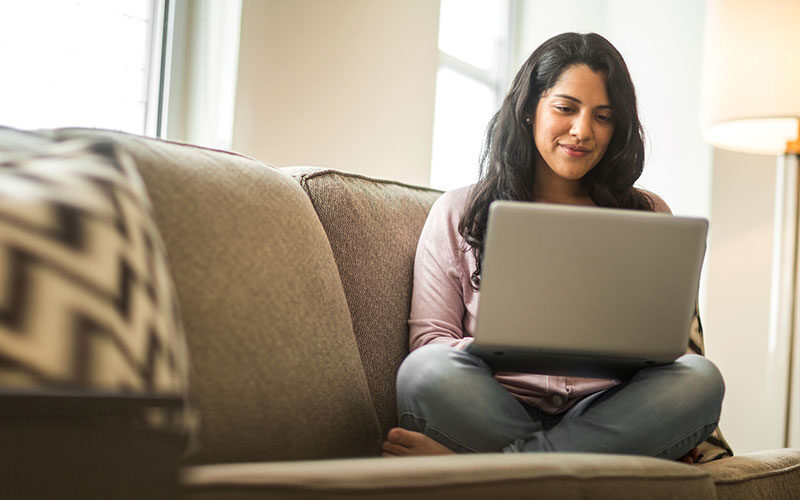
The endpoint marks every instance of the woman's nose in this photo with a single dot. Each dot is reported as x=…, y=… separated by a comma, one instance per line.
x=582, y=127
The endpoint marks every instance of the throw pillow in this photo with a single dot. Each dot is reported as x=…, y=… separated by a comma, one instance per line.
x=715, y=446
x=87, y=304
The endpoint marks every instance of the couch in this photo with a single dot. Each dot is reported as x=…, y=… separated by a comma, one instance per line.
x=293, y=286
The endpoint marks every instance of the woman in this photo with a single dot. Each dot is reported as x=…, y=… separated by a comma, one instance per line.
x=568, y=132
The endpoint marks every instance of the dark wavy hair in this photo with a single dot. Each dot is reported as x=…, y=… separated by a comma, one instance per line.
x=507, y=158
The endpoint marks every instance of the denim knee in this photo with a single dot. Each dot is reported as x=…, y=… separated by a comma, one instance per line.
x=704, y=380
x=423, y=373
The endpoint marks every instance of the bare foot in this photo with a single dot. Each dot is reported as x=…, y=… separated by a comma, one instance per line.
x=401, y=442
x=690, y=457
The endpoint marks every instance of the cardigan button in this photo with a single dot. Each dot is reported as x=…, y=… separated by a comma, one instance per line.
x=556, y=399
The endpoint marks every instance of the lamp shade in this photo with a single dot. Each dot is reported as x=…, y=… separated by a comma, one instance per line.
x=751, y=75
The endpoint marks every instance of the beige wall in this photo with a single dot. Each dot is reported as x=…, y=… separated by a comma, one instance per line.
x=348, y=84
x=738, y=296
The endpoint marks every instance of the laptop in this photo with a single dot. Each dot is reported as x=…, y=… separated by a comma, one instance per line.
x=586, y=292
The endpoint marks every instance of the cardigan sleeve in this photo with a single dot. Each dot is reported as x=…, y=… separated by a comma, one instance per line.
x=437, y=301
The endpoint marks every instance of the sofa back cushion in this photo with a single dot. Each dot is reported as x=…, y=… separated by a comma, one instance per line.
x=275, y=370
x=373, y=226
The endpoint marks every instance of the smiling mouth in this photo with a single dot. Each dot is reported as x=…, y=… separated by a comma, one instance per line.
x=575, y=150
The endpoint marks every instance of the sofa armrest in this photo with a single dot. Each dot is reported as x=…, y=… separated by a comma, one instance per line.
x=566, y=476
x=93, y=445
x=771, y=474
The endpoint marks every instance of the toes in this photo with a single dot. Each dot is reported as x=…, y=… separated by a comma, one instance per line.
x=397, y=435
x=393, y=450
x=403, y=437
x=393, y=434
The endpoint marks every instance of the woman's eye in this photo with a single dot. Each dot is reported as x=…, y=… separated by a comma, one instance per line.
x=564, y=109
x=605, y=118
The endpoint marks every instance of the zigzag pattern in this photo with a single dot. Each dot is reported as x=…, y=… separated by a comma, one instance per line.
x=86, y=300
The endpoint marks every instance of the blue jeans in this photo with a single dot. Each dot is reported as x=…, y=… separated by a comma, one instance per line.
x=663, y=411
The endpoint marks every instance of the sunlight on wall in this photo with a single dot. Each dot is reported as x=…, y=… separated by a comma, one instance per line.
x=463, y=107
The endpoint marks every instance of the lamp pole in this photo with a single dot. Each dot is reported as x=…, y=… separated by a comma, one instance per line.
x=791, y=170
x=784, y=293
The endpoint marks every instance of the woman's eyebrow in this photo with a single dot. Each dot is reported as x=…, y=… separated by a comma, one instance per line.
x=578, y=101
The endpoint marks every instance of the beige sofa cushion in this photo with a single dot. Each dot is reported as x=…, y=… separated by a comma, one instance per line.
x=373, y=226
x=773, y=474
x=562, y=476
x=276, y=373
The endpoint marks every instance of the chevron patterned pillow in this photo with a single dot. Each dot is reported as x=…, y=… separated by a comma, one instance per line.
x=87, y=304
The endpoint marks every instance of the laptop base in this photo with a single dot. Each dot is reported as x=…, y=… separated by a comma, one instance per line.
x=502, y=359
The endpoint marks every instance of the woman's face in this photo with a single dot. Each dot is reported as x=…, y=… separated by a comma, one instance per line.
x=573, y=124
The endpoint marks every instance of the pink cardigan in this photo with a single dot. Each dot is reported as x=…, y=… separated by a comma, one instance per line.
x=444, y=305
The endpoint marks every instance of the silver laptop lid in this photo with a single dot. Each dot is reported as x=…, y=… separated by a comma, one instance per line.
x=584, y=280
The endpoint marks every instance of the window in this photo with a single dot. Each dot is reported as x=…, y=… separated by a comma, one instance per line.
x=90, y=63
x=474, y=53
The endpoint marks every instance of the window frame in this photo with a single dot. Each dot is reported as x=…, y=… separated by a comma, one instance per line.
x=497, y=78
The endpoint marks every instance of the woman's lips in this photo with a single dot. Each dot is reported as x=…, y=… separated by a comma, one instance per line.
x=574, y=151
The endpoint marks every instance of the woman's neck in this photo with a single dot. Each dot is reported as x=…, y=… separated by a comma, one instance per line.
x=550, y=188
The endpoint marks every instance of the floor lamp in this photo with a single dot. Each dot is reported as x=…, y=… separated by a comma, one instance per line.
x=751, y=103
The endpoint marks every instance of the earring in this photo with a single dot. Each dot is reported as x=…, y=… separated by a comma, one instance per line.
x=528, y=120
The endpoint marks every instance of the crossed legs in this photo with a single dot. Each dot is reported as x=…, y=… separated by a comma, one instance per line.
x=448, y=401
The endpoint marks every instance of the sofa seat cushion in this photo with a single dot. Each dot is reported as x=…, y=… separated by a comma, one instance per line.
x=373, y=226
x=497, y=476
x=275, y=370
x=773, y=474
